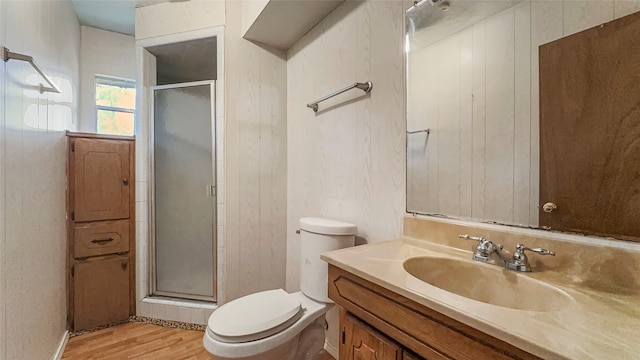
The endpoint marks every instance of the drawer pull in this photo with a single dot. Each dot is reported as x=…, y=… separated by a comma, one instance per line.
x=101, y=241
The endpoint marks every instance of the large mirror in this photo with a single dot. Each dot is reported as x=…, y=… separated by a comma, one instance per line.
x=473, y=106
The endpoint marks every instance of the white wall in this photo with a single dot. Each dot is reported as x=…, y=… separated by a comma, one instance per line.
x=479, y=97
x=101, y=53
x=255, y=156
x=177, y=17
x=32, y=181
x=346, y=162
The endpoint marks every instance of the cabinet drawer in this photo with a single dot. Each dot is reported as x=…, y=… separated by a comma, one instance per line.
x=100, y=238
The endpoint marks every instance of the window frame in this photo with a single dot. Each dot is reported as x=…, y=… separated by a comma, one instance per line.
x=113, y=81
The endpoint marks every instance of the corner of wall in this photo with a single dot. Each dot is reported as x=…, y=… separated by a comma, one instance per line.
x=3, y=260
x=255, y=162
x=101, y=53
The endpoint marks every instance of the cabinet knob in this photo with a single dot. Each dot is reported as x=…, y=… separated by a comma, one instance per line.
x=124, y=265
x=125, y=181
x=549, y=207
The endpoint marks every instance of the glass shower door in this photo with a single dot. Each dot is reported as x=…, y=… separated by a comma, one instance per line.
x=184, y=190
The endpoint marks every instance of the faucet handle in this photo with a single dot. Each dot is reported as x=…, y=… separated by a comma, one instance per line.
x=520, y=262
x=469, y=237
x=521, y=248
x=484, y=248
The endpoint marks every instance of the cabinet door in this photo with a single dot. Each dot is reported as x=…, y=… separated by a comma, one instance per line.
x=101, y=292
x=361, y=342
x=409, y=356
x=101, y=179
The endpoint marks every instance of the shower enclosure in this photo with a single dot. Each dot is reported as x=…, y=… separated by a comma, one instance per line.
x=183, y=191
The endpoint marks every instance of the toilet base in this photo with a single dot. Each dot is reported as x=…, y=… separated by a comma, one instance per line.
x=283, y=352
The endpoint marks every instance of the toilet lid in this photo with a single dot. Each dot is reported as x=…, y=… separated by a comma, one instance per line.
x=254, y=316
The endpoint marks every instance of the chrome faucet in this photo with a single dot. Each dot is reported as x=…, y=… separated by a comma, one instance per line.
x=519, y=260
x=484, y=248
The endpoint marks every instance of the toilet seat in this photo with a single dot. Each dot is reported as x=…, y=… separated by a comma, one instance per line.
x=254, y=316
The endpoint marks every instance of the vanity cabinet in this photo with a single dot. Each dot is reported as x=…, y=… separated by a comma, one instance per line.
x=101, y=230
x=372, y=315
x=361, y=342
x=409, y=356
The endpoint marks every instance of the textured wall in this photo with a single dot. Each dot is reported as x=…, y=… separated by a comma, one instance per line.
x=347, y=161
x=101, y=53
x=176, y=17
x=32, y=175
x=255, y=163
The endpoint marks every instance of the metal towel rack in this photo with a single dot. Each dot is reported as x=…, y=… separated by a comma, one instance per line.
x=8, y=55
x=366, y=87
x=419, y=131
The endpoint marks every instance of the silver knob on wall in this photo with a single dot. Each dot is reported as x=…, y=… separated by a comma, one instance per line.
x=549, y=207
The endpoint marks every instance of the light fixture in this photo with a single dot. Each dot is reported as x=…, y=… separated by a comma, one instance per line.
x=441, y=4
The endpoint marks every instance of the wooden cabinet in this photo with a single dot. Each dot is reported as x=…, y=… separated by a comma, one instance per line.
x=101, y=230
x=101, y=179
x=409, y=356
x=359, y=341
x=100, y=238
x=419, y=332
x=101, y=291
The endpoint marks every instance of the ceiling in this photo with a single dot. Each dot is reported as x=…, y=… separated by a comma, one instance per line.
x=112, y=15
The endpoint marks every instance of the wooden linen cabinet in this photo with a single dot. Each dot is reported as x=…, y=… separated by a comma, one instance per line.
x=100, y=229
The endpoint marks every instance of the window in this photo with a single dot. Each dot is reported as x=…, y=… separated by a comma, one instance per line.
x=116, y=105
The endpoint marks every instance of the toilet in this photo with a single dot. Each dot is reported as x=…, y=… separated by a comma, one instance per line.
x=274, y=324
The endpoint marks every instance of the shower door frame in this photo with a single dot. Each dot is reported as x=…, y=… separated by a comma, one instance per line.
x=152, y=193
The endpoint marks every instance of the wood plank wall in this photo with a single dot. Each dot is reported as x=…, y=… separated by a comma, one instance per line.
x=346, y=162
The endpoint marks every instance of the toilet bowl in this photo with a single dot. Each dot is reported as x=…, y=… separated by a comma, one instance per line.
x=277, y=325
x=255, y=342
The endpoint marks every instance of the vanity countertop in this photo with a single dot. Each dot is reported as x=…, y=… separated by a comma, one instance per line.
x=597, y=324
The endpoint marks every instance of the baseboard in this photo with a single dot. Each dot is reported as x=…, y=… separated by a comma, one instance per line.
x=331, y=349
x=62, y=346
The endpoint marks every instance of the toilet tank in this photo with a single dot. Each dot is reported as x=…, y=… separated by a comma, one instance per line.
x=317, y=236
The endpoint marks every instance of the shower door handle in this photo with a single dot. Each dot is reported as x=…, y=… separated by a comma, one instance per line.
x=211, y=190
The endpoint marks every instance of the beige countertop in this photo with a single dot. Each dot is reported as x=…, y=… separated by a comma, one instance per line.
x=595, y=324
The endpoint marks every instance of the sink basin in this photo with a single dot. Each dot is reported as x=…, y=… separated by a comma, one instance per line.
x=487, y=283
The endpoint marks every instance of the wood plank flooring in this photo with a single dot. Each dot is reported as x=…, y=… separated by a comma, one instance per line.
x=142, y=341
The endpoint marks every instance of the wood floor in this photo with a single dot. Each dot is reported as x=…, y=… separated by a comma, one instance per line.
x=141, y=341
